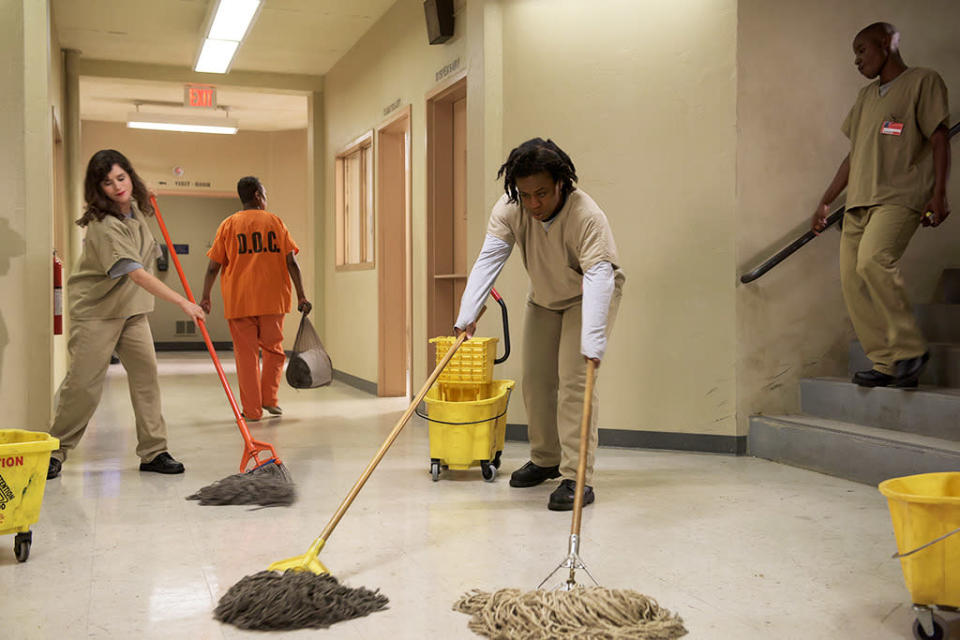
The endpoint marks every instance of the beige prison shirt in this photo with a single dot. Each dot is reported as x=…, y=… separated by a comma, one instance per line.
x=895, y=169
x=93, y=294
x=579, y=237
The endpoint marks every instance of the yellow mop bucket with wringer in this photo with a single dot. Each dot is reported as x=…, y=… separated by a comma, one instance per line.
x=24, y=458
x=466, y=409
x=925, y=511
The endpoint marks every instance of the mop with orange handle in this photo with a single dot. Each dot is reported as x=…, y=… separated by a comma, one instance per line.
x=267, y=482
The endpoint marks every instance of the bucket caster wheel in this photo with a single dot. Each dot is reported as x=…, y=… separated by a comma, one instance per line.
x=21, y=545
x=488, y=470
x=496, y=460
x=938, y=625
x=435, y=471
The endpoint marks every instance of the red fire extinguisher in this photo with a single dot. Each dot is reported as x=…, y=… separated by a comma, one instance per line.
x=57, y=295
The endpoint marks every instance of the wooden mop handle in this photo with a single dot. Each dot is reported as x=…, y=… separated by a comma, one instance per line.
x=393, y=435
x=584, y=436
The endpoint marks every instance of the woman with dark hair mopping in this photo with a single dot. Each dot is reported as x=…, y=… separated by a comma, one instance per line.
x=575, y=286
x=111, y=292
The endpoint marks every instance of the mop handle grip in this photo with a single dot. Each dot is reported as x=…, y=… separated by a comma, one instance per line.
x=342, y=509
x=244, y=431
x=584, y=435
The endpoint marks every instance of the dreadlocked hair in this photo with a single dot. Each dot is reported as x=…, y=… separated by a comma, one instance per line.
x=536, y=156
x=98, y=204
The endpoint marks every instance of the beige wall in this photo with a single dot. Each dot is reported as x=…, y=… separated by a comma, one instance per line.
x=796, y=83
x=191, y=220
x=26, y=225
x=279, y=159
x=392, y=61
x=642, y=96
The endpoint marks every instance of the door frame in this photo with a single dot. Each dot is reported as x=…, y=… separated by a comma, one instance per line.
x=440, y=192
x=389, y=276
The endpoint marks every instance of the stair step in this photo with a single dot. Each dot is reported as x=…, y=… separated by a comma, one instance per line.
x=943, y=370
x=948, y=287
x=852, y=451
x=939, y=322
x=927, y=411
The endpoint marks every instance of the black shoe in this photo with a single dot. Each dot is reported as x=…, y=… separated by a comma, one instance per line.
x=872, y=378
x=907, y=372
x=563, y=496
x=163, y=463
x=274, y=411
x=54, y=469
x=530, y=475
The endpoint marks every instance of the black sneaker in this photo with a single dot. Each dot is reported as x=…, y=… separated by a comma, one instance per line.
x=274, y=411
x=562, y=497
x=872, y=378
x=53, y=470
x=530, y=475
x=163, y=463
x=907, y=372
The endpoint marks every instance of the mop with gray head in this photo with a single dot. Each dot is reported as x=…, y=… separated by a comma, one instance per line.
x=273, y=601
x=268, y=485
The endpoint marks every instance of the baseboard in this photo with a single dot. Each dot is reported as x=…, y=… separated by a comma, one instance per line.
x=191, y=346
x=707, y=443
x=355, y=382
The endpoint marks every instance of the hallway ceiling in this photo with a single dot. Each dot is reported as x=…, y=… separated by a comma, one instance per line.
x=111, y=99
x=289, y=36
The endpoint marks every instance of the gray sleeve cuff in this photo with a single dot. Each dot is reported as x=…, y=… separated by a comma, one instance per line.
x=122, y=267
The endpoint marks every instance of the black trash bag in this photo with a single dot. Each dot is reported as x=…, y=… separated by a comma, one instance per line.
x=309, y=366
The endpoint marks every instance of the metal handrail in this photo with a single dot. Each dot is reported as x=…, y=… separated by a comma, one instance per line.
x=791, y=248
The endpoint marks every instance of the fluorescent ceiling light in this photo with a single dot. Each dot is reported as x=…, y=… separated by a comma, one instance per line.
x=232, y=19
x=188, y=124
x=216, y=56
x=229, y=26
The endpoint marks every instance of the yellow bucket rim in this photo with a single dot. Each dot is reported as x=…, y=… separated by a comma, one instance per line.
x=889, y=489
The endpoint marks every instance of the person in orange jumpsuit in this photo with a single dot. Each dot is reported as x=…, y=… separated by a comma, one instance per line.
x=256, y=253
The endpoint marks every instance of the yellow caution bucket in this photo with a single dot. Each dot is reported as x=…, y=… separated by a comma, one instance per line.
x=24, y=458
x=467, y=426
x=925, y=510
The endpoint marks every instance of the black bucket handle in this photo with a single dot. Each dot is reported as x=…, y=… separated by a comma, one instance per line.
x=506, y=327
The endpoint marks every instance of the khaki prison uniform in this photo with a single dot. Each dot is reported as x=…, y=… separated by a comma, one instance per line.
x=554, y=370
x=108, y=315
x=252, y=246
x=891, y=179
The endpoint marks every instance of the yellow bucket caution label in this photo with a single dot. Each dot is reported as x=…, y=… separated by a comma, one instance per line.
x=6, y=495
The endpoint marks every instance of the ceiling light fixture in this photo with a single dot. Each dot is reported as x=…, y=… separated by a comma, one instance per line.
x=229, y=25
x=187, y=124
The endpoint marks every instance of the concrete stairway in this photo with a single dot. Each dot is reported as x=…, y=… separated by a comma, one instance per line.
x=869, y=435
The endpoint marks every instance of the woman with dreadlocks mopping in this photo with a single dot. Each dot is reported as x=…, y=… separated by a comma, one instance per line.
x=111, y=292
x=575, y=286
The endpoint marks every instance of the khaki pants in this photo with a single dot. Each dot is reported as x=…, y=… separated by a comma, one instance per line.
x=873, y=240
x=259, y=386
x=554, y=381
x=91, y=344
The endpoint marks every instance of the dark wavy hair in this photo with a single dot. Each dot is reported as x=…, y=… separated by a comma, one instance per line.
x=98, y=204
x=535, y=156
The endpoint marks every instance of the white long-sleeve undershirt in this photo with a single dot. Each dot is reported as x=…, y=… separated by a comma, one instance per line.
x=485, y=270
x=598, y=286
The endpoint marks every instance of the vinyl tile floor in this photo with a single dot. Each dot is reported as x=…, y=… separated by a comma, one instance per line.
x=741, y=548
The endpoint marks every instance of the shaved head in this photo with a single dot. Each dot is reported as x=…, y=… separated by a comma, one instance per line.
x=877, y=51
x=880, y=30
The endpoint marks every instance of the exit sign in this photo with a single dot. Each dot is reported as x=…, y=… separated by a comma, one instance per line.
x=200, y=95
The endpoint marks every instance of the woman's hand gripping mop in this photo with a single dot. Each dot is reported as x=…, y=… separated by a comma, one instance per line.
x=268, y=483
x=299, y=592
